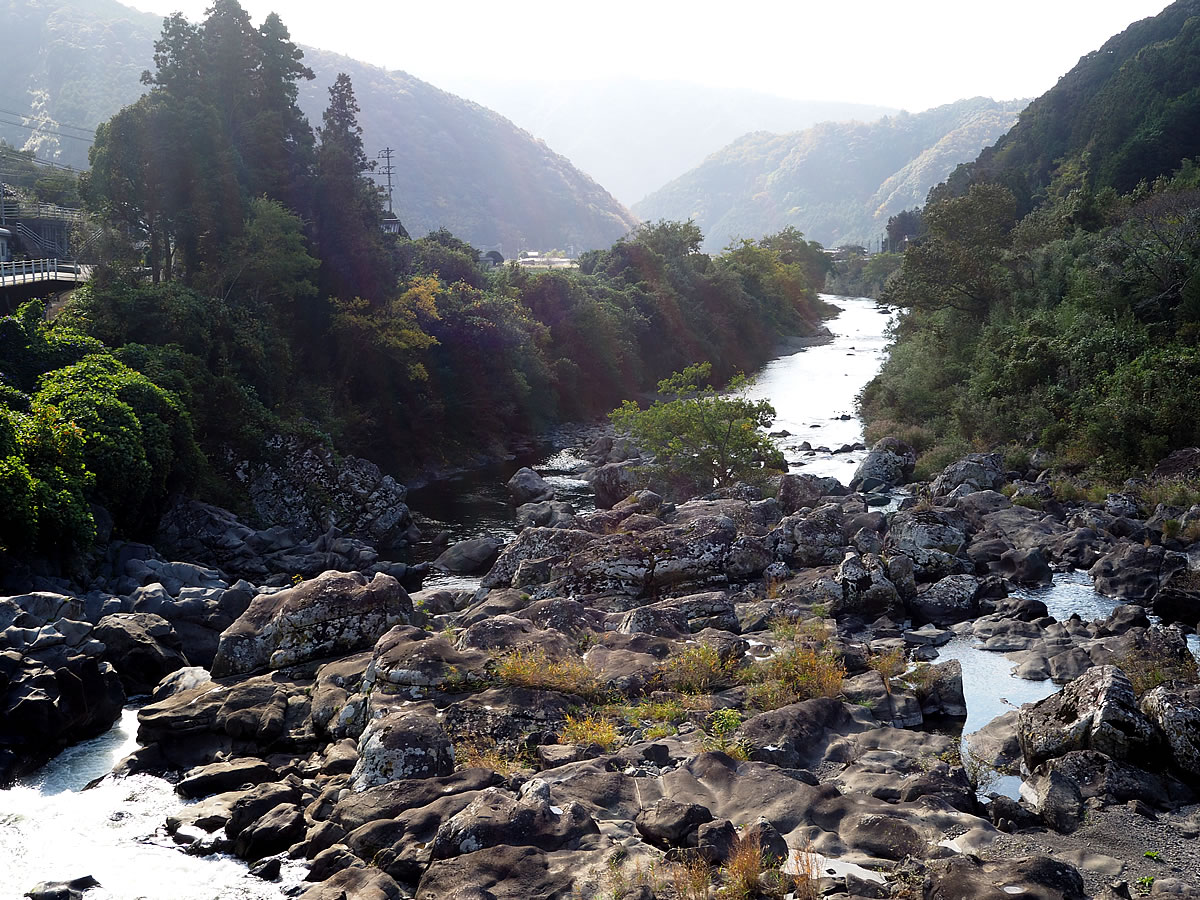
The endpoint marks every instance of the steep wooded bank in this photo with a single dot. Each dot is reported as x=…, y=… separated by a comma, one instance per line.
x=458, y=165
x=1053, y=299
x=250, y=306
x=838, y=182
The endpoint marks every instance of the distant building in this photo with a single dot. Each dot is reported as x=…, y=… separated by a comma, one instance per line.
x=391, y=225
x=492, y=259
x=536, y=259
x=5, y=245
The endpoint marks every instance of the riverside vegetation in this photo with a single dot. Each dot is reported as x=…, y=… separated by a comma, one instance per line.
x=276, y=306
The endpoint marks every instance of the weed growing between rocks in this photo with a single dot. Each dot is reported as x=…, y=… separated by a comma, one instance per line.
x=1146, y=670
x=590, y=730
x=890, y=665
x=698, y=669
x=691, y=878
x=719, y=734
x=489, y=756
x=800, y=673
x=743, y=869
x=534, y=669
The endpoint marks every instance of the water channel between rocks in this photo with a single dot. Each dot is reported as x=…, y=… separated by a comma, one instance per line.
x=53, y=829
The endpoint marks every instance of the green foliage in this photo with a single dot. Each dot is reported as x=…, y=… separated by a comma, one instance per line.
x=697, y=669
x=700, y=438
x=1084, y=343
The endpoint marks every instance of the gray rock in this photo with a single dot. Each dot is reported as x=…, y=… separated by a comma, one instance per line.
x=399, y=746
x=1175, y=712
x=950, y=600
x=469, y=557
x=1134, y=573
x=1097, y=711
x=981, y=471
x=670, y=823
x=334, y=613
x=527, y=486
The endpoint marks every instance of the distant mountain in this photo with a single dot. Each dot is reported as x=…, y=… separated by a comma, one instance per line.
x=634, y=136
x=457, y=164
x=1126, y=112
x=837, y=182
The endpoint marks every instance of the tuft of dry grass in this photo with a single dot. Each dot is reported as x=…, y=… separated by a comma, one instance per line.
x=534, y=669
x=806, y=875
x=890, y=665
x=590, y=730
x=481, y=755
x=801, y=673
x=697, y=669
x=691, y=878
x=743, y=869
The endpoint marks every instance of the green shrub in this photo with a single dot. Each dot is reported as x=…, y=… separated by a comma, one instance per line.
x=698, y=669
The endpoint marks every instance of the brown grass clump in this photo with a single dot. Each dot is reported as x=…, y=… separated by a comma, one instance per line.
x=534, y=669
x=805, y=874
x=801, y=673
x=697, y=670
x=590, y=730
x=691, y=878
x=743, y=869
x=481, y=755
x=890, y=665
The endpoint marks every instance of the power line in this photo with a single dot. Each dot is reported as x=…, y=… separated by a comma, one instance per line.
x=77, y=137
x=21, y=115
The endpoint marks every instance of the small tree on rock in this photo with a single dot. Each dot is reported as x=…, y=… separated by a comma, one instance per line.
x=702, y=439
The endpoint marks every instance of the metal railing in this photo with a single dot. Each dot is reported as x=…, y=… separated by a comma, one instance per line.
x=24, y=209
x=27, y=270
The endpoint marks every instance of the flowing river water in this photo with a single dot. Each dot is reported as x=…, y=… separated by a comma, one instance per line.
x=51, y=828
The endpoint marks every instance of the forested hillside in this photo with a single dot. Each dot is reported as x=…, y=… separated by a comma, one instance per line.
x=634, y=135
x=249, y=296
x=837, y=182
x=458, y=165
x=1128, y=111
x=1054, y=297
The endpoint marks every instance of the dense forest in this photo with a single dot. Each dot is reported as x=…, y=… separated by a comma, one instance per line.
x=249, y=291
x=1053, y=297
x=70, y=64
x=838, y=182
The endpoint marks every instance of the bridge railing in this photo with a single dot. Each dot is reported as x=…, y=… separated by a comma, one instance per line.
x=26, y=270
x=24, y=209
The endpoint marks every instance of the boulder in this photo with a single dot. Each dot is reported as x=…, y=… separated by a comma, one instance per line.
x=402, y=745
x=1175, y=711
x=950, y=600
x=528, y=819
x=144, y=649
x=1096, y=711
x=1033, y=877
x=274, y=832
x=888, y=464
x=546, y=514
x=469, y=557
x=1134, y=573
x=335, y=613
x=613, y=482
x=671, y=823
x=943, y=694
x=527, y=486
x=979, y=471
x=1026, y=567
x=797, y=491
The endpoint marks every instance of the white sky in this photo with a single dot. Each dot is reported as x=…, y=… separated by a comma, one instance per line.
x=912, y=55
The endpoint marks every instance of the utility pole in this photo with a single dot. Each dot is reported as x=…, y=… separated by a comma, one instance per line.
x=386, y=155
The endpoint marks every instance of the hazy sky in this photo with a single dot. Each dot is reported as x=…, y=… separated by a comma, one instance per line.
x=912, y=55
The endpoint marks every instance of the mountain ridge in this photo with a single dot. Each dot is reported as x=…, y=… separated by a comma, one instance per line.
x=838, y=182
x=83, y=59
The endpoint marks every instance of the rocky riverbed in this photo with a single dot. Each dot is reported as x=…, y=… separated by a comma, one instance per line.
x=636, y=701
